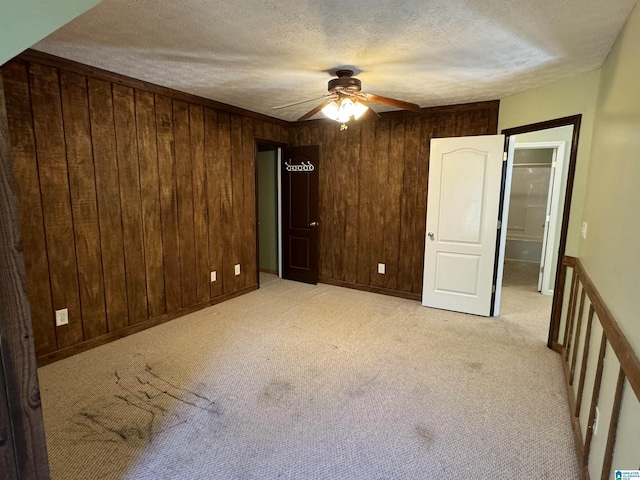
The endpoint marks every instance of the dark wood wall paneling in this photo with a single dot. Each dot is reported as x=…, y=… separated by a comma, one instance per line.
x=130, y=195
x=23, y=452
x=373, y=192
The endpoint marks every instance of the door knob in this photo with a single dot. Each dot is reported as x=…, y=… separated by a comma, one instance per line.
x=431, y=235
x=314, y=224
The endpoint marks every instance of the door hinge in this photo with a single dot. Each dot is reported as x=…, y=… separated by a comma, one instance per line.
x=493, y=289
x=542, y=269
x=504, y=156
x=499, y=224
x=553, y=164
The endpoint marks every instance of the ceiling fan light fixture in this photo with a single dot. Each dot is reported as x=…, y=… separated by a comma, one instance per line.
x=343, y=109
x=332, y=110
x=359, y=109
x=346, y=101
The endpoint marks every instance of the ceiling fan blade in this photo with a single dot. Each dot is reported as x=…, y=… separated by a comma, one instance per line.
x=392, y=102
x=300, y=102
x=312, y=112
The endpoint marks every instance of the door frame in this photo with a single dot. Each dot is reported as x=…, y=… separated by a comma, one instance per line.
x=278, y=146
x=558, y=291
x=553, y=197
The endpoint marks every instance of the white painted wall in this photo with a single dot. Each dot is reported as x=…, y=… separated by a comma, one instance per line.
x=607, y=196
x=570, y=96
x=610, y=252
x=25, y=22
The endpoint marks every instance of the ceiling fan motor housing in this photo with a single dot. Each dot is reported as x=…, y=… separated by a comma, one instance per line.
x=345, y=81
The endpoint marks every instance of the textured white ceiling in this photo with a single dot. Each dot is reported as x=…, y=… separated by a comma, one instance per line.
x=257, y=54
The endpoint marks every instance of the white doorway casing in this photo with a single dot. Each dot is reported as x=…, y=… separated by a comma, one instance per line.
x=502, y=243
x=279, y=189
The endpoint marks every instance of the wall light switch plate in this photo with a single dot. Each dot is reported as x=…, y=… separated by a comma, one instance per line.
x=382, y=268
x=214, y=276
x=583, y=230
x=237, y=269
x=62, y=317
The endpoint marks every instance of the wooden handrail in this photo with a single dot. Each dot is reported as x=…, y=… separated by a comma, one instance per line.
x=583, y=288
x=616, y=338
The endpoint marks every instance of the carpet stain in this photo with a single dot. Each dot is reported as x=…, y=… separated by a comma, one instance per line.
x=425, y=435
x=146, y=404
x=277, y=391
x=110, y=426
x=110, y=421
x=476, y=366
x=154, y=389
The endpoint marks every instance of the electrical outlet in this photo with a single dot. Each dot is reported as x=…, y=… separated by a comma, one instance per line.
x=62, y=317
x=237, y=269
x=583, y=230
x=214, y=276
x=382, y=268
x=596, y=420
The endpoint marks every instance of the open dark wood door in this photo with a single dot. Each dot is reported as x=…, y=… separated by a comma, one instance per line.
x=300, y=223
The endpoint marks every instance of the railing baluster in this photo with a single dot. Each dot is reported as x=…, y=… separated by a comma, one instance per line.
x=572, y=306
x=613, y=427
x=585, y=356
x=594, y=399
x=577, y=338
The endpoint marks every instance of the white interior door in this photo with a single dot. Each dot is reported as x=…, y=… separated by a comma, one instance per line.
x=465, y=175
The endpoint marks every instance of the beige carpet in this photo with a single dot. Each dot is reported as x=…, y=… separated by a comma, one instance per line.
x=295, y=381
x=522, y=275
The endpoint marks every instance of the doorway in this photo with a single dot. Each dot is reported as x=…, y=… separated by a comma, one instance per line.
x=535, y=205
x=268, y=212
x=562, y=135
x=287, y=224
x=534, y=191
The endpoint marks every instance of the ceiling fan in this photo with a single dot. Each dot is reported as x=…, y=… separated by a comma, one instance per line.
x=345, y=100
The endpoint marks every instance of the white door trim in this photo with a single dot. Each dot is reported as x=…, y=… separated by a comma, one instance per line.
x=502, y=244
x=279, y=195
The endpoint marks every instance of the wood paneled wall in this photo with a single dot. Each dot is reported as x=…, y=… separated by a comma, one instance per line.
x=373, y=192
x=129, y=197
x=131, y=194
x=23, y=450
